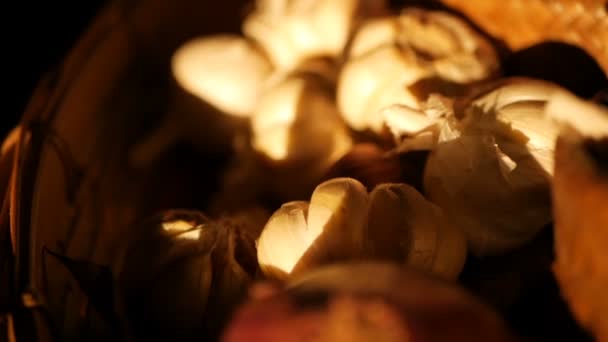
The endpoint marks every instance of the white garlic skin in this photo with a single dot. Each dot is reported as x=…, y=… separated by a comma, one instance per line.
x=491, y=169
x=226, y=71
x=292, y=31
x=389, y=55
x=404, y=226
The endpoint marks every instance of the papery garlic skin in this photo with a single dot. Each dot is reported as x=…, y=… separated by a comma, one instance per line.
x=181, y=274
x=498, y=211
x=296, y=121
x=519, y=105
x=299, y=235
x=389, y=55
x=491, y=165
x=227, y=71
x=292, y=31
x=403, y=225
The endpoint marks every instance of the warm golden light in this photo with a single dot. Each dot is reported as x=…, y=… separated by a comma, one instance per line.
x=185, y=229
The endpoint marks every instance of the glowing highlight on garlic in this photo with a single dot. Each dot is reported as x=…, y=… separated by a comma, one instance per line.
x=227, y=71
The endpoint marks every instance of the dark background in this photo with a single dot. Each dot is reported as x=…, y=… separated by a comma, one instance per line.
x=39, y=34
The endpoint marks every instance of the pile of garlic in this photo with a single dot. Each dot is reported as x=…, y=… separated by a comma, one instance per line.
x=316, y=79
x=310, y=77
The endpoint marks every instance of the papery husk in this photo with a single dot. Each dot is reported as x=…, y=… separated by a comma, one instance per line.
x=580, y=196
x=491, y=159
x=181, y=284
x=301, y=236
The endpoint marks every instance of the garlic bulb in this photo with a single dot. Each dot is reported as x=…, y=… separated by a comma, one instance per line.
x=227, y=71
x=491, y=164
x=181, y=274
x=344, y=222
x=292, y=31
x=389, y=56
x=404, y=226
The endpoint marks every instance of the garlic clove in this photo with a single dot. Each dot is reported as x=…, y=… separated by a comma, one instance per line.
x=373, y=34
x=336, y=217
x=374, y=81
x=227, y=71
x=403, y=226
x=284, y=240
x=339, y=203
x=292, y=31
x=515, y=110
x=458, y=53
x=300, y=236
x=299, y=112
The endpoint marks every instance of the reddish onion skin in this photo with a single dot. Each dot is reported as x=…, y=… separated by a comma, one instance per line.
x=367, y=302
